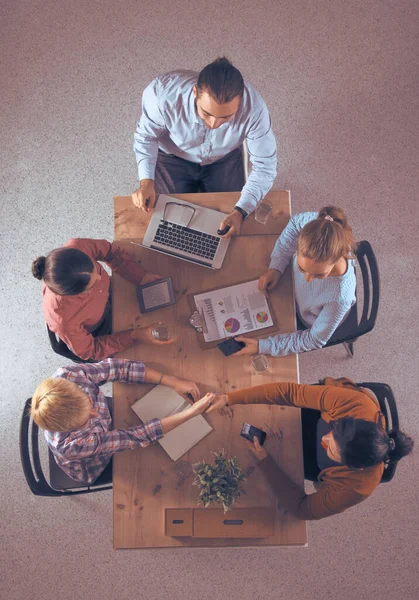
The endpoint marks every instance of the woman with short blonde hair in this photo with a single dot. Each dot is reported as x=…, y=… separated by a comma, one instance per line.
x=59, y=405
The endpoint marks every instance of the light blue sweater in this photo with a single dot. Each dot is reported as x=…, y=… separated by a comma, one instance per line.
x=322, y=303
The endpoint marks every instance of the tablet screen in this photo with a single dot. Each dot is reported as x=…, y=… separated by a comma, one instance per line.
x=156, y=295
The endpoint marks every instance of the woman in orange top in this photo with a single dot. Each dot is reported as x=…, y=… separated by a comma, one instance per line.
x=357, y=445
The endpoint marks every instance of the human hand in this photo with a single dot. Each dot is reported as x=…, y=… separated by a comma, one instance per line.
x=234, y=221
x=201, y=405
x=268, y=281
x=145, y=335
x=145, y=196
x=149, y=277
x=186, y=388
x=251, y=347
x=218, y=403
x=257, y=449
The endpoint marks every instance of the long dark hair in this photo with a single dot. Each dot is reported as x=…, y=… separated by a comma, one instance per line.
x=364, y=443
x=221, y=81
x=66, y=271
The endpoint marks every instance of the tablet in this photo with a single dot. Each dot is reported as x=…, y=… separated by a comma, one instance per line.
x=156, y=294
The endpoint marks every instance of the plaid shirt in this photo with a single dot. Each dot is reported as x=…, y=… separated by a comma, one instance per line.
x=84, y=454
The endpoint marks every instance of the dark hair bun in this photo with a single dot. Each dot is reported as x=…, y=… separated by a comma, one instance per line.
x=38, y=267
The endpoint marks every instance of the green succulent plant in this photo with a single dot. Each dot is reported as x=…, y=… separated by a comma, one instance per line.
x=220, y=482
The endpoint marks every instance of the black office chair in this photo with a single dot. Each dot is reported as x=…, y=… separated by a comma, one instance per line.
x=60, y=484
x=309, y=419
x=351, y=329
x=62, y=349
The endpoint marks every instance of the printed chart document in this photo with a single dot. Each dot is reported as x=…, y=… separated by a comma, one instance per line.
x=162, y=402
x=233, y=310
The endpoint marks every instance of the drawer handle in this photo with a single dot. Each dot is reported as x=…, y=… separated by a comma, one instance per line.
x=233, y=521
x=177, y=521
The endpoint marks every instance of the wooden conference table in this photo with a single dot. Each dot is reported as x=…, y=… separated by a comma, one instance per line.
x=144, y=481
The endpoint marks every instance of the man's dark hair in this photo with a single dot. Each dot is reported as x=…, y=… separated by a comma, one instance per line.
x=66, y=271
x=221, y=81
x=364, y=443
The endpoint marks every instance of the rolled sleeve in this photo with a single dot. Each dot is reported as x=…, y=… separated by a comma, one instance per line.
x=149, y=128
x=114, y=369
x=88, y=347
x=118, y=440
x=123, y=263
x=329, y=500
x=261, y=146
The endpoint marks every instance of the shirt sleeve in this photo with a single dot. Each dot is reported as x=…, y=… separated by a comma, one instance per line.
x=111, y=369
x=87, y=347
x=315, y=337
x=113, y=255
x=330, y=499
x=261, y=146
x=334, y=402
x=149, y=128
x=109, y=442
x=286, y=244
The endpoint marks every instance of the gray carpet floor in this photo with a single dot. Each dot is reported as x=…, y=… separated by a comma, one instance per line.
x=339, y=80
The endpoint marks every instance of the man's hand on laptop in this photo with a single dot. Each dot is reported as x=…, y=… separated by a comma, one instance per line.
x=145, y=336
x=145, y=196
x=234, y=222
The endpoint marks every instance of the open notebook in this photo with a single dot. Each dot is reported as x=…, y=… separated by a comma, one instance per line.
x=162, y=402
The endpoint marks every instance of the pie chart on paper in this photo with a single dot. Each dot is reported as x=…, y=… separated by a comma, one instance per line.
x=232, y=325
x=261, y=317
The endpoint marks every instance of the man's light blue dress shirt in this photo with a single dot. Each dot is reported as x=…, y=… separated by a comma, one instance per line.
x=170, y=122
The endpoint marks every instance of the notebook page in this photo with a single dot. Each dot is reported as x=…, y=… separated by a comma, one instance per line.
x=162, y=402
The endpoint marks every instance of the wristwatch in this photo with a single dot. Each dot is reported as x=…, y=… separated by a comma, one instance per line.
x=241, y=211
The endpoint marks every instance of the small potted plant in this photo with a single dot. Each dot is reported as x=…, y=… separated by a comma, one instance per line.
x=219, y=483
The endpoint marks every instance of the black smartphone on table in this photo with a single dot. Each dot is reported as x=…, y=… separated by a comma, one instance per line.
x=230, y=346
x=249, y=432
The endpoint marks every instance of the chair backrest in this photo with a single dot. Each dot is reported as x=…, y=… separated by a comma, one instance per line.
x=371, y=284
x=385, y=397
x=352, y=328
x=61, y=348
x=29, y=456
x=31, y=462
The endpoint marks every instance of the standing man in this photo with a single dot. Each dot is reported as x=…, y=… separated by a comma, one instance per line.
x=190, y=134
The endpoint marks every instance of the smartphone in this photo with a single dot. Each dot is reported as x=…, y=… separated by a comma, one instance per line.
x=249, y=432
x=230, y=346
x=224, y=230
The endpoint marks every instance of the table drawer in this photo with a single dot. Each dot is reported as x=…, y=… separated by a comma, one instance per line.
x=236, y=523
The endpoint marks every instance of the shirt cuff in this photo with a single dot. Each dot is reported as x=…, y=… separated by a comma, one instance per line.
x=154, y=429
x=265, y=346
x=124, y=339
x=146, y=169
x=246, y=203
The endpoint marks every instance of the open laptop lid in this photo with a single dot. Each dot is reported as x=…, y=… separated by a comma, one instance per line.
x=186, y=214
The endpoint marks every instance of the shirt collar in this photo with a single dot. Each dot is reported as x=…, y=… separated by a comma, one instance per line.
x=197, y=119
x=192, y=110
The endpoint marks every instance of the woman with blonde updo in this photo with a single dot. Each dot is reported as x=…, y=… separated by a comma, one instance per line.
x=323, y=250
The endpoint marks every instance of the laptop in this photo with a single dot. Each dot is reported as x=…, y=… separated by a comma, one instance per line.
x=186, y=231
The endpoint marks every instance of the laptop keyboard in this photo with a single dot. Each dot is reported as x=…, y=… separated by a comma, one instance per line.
x=187, y=240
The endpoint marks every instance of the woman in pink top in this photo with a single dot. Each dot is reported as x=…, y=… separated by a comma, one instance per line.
x=76, y=297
